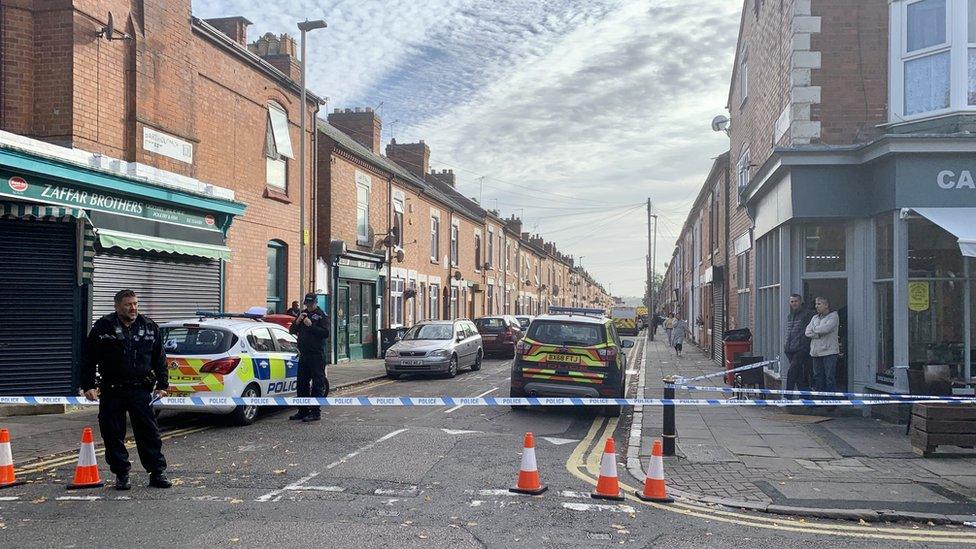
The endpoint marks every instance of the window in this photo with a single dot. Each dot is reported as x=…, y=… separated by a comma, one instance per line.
x=396, y=301
x=422, y=300
x=744, y=76
x=490, y=258
x=743, y=177
x=435, y=237
x=742, y=285
x=477, y=252
x=491, y=299
x=769, y=297
x=433, y=312
x=261, y=341
x=825, y=248
x=363, y=185
x=197, y=341
x=884, y=295
x=277, y=149
x=286, y=342
x=454, y=244
x=454, y=303
x=398, y=221
x=277, y=254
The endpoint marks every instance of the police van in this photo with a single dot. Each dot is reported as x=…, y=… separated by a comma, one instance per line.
x=230, y=355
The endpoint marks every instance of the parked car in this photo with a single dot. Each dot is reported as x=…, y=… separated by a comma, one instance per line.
x=438, y=346
x=574, y=353
x=499, y=334
x=226, y=355
x=524, y=321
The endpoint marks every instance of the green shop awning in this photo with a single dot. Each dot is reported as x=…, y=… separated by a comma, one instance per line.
x=131, y=241
x=25, y=210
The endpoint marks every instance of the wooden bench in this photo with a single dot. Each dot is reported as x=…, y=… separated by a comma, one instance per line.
x=934, y=425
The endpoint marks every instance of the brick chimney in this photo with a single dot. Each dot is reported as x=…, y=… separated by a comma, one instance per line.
x=363, y=125
x=234, y=27
x=514, y=224
x=444, y=176
x=414, y=157
x=280, y=52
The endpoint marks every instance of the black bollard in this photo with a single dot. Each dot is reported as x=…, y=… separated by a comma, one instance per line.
x=670, y=432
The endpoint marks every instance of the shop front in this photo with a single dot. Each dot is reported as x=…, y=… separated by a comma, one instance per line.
x=886, y=234
x=356, y=305
x=71, y=236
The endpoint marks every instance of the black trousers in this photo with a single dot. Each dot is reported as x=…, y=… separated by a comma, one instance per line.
x=311, y=380
x=798, y=376
x=113, y=406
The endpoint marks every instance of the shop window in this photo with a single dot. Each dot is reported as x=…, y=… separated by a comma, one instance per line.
x=435, y=237
x=277, y=148
x=277, y=261
x=396, y=301
x=884, y=296
x=363, y=187
x=825, y=248
x=769, y=297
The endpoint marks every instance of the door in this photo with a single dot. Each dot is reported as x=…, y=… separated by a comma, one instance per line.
x=284, y=371
x=835, y=290
x=342, y=321
x=38, y=280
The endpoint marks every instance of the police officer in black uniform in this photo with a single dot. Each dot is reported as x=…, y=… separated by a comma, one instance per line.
x=127, y=349
x=312, y=329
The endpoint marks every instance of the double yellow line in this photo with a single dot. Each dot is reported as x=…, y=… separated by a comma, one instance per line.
x=586, y=467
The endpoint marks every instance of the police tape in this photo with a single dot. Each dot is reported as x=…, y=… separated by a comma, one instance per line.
x=204, y=402
x=724, y=372
x=733, y=390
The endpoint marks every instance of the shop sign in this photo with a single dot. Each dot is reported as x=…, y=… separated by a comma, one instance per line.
x=50, y=193
x=948, y=179
x=918, y=296
x=346, y=262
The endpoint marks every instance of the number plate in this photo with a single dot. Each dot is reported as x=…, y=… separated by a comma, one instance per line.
x=568, y=359
x=412, y=362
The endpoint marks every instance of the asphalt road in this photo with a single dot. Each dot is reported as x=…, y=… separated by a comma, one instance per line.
x=405, y=477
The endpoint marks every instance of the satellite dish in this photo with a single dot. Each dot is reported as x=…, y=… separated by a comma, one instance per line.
x=457, y=275
x=400, y=256
x=109, y=29
x=720, y=123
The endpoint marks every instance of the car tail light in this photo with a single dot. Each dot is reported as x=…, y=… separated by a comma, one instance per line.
x=608, y=354
x=221, y=366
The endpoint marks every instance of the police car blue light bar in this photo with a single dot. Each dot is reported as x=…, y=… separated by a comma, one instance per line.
x=575, y=311
x=254, y=313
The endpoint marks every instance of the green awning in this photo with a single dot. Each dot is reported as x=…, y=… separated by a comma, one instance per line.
x=118, y=239
x=25, y=210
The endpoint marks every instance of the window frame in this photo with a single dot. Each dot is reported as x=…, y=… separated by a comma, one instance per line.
x=435, y=238
x=477, y=253
x=743, y=77
x=397, y=303
x=398, y=220
x=455, y=243
x=364, y=183
x=743, y=174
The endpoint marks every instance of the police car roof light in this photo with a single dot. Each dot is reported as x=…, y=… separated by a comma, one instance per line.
x=575, y=310
x=254, y=313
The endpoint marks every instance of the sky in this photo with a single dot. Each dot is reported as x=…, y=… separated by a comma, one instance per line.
x=568, y=113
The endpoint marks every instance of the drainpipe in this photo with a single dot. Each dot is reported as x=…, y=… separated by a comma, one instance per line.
x=389, y=252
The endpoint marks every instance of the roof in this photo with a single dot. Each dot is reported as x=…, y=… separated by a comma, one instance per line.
x=581, y=319
x=232, y=324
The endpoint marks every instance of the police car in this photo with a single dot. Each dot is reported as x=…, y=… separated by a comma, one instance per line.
x=230, y=355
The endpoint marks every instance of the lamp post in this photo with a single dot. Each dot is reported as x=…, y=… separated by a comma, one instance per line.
x=303, y=27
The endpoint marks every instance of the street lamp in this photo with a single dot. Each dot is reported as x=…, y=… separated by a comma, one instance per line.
x=304, y=27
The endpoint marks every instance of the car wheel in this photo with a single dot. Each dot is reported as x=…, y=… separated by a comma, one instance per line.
x=452, y=367
x=477, y=362
x=245, y=414
x=516, y=394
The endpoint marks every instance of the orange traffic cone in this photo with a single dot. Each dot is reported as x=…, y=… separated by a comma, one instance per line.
x=528, y=477
x=654, y=488
x=608, y=487
x=7, y=478
x=86, y=473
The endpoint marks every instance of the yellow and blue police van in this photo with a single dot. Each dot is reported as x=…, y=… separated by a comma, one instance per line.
x=230, y=355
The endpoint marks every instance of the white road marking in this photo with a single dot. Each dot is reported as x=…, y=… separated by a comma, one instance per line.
x=9, y=498
x=496, y=492
x=459, y=432
x=412, y=491
x=459, y=406
x=78, y=498
x=599, y=507
x=297, y=485
x=631, y=372
x=213, y=498
x=318, y=489
x=572, y=494
x=475, y=503
x=558, y=441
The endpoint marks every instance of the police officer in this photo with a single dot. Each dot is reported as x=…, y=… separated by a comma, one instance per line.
x=312, y=329
x=127, y=350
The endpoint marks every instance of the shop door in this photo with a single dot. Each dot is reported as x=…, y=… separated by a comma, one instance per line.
x=342, y=321
x=168, y=287
x=40, y=307
x=362, y=311
x=835, y=290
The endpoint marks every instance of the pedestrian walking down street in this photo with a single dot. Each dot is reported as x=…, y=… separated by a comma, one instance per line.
x=797, y=346
x=824, y=346
x=312, y=329
x=678, y=332
x=124, y=368
x=669, y=326
x=294, y=310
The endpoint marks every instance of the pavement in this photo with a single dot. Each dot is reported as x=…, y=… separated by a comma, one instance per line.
x=799, y=461
x=41, y=436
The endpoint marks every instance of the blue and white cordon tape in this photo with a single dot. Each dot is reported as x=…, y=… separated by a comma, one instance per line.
x=680, y=379
x=191, y=402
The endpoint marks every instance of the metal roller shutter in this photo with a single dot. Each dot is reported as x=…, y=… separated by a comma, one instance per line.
x=718, y=321
x=40, y=309
x=169, y=288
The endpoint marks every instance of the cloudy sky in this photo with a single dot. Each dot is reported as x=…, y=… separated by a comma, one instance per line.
x=569, y=113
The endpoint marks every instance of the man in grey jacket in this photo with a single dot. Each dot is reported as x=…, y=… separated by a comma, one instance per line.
x=824, y=346
x=797, y=345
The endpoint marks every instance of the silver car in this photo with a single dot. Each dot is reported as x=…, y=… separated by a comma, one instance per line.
x=437, y=346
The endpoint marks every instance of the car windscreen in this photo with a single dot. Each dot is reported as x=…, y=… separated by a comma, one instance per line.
x=182, y=340
x=430, y=331
x=491, y=325
x=566, y=333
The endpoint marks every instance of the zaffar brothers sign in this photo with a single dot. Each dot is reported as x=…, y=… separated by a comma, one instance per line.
x=52, y=193
x=948, y=179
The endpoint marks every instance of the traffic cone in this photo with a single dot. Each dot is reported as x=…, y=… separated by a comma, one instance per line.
x=654, y=488
x=7, y=478
x=86, y=473
x=528, y=477
x=608, y=487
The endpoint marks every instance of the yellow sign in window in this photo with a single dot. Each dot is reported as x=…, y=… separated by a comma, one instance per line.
x=918, y=296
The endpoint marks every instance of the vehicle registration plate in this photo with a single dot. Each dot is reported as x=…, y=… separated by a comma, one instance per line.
x=569, y=359
x=412, y=362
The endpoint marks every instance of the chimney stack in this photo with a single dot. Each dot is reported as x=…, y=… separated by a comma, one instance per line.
x=413, y=157
x=362, y=125
x=280, y=52
x=444, y=176
x=514, y=224
x=234, y=27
